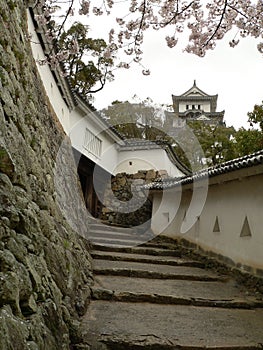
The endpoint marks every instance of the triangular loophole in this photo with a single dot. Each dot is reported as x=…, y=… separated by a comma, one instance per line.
x=245, y=231
x=216, y=226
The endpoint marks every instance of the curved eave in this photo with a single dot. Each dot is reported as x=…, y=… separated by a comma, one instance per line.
x=194, y=98
x=72, y=98
x=208, y=114
x=89, y=110
x=175, y=160
x=59, y=72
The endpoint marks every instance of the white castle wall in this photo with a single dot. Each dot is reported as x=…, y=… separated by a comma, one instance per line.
x=79, y=120
x=133, y=161
x=205, y=106
x=230, y=200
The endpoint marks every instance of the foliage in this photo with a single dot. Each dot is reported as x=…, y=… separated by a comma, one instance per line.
x=85, y=63
x=255, y=117
x=206, y=22
x=216, y=141
x=248, y=141
x=135, y=120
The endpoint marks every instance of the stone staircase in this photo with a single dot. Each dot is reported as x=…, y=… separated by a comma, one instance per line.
x=104, y=234
x=153, y=297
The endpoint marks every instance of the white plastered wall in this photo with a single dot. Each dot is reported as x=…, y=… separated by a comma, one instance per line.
x=52, y=90
x=231, y=203
x=205, y=106
x=76, y=121
x=131, y=161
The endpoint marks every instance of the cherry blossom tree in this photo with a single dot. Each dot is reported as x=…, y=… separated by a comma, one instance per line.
x=204, y=21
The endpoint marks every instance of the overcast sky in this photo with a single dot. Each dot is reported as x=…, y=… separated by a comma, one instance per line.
x=235, y=74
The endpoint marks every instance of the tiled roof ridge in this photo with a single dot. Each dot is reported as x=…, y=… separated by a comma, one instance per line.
x=201, y=91
x=247, y=161
x=209, y=114
x=184, y=97
x=61, y=75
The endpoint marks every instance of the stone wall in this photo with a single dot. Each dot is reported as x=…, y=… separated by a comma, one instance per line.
x=125, y=203
x=45, y=270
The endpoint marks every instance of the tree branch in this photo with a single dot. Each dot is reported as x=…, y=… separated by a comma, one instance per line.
x=218, y=25
x=176, y=14
x=102, y=82
x=66, y=17
x=142, y=19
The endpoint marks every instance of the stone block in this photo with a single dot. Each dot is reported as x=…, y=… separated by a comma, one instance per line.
x=12, y=330
x=162, y=173
x=150, y=175
x=6, y=162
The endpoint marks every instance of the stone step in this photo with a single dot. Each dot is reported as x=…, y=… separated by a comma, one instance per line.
x=110, y=228
x=99, y=226
x=103, y=235
x=110, y=295
x=139, y=250
x=141, y=325
x=114, y=242
x=152, y=259
x=214, y=294
x=118, y=235
x=149, y=297
x=154, y=274
x=141, y=270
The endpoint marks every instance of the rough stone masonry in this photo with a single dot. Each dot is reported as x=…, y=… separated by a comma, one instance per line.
x=123, y=188
x=45, y=270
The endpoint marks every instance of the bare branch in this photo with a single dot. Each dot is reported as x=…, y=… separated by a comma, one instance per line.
x=176, y=14
x=218, y=25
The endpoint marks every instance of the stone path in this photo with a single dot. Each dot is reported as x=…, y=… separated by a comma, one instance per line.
x=149, y=297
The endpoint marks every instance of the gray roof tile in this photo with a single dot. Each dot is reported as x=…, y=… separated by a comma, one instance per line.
x=224, y=168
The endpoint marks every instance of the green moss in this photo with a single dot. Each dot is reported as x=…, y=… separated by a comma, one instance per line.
x=3, y=77
x=33, y=141
x=20, y=56
x=6, y=163
x=66, y=244
x=4, y=15
x=12, y=5
x=17, y=93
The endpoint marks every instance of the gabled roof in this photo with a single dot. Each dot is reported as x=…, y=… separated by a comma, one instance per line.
x=194, y=91
x=202, y=117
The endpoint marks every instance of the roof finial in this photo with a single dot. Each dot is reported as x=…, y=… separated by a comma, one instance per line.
x=194, y=82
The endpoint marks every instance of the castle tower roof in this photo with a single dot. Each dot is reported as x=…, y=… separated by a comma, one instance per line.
x=195, y=94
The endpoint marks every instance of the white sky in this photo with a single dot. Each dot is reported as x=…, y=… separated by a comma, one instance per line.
x=235, y=74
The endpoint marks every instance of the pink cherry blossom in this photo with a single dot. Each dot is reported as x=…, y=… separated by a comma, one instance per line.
x=206, y=21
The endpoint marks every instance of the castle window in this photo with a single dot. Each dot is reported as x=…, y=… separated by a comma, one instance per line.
x=187, y=106
x=193, y=106
x=199, y=106
x=92, y=143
